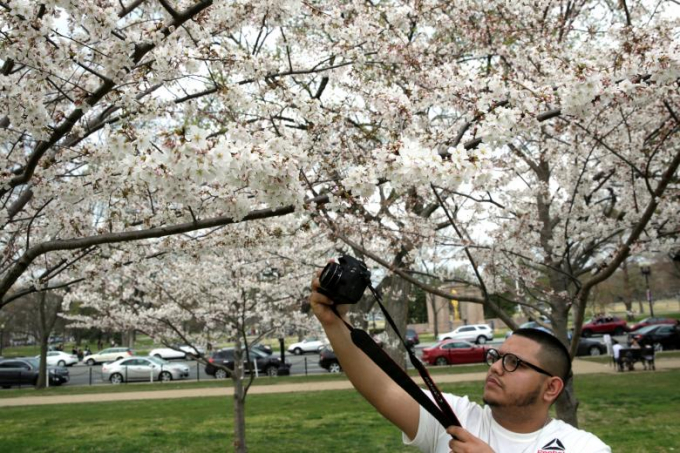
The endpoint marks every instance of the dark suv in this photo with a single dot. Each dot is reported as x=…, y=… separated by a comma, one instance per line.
x=266, y=364
x=25, y=371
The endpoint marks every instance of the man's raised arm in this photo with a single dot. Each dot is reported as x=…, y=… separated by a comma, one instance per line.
x=377, y=387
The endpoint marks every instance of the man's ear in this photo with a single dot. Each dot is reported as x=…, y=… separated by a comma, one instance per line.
x=554, y=387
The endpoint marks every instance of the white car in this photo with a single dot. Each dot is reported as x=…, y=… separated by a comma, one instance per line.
x=474, y=333
x=60, y=358
x=311, y=344
x=178, y=352
x=143, y=369
x=107, y=355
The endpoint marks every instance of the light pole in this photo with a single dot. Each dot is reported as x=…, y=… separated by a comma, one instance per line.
x=646, y=271
x=2, y=336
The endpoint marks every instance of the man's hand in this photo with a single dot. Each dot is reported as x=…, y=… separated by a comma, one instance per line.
x=321, y=305
x=465, y=442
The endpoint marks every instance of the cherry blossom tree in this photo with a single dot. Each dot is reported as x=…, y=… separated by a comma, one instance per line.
x=201, y=296
x=577, y=166
x=551, y=126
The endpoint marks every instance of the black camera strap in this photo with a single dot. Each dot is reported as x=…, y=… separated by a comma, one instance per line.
x=439, y=408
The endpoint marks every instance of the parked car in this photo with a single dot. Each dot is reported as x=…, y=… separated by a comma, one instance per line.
x=448, y=352
x=263, y=348
x=588, y=346
x=25, y=371
x=531, y=325
x=60, y=358
x=329, y=361
x=266, y=364
x=23, y=341
x=143, y=369
x=177, y=352
x=605, y=324
x=107, y=355
x=661, y=337
x=311, y=344
x=474, y=333
x=653, y=321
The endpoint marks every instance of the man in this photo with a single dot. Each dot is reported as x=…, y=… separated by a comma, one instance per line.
x=616, y=351
x=608, y=343
x=525, y=377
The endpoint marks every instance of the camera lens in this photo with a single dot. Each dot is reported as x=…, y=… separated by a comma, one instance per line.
x=330, y=276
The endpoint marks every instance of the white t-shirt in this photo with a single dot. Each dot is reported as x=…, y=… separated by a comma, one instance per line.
x=617, y=350
x=555, y=437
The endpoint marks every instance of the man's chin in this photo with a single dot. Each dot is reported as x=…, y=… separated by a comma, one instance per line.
x=490, y=401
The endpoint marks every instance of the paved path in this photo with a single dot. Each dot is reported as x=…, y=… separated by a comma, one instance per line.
x=580, y=367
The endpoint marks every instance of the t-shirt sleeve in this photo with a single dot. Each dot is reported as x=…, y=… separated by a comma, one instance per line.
x=431, y=433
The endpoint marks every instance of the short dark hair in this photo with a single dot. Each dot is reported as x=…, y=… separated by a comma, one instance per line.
x=554, y=355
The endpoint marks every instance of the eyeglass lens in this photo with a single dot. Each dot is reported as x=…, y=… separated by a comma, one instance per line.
x=510, y=361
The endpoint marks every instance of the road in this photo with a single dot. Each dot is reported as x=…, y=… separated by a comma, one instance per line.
x=85, y=375
x=300, y=365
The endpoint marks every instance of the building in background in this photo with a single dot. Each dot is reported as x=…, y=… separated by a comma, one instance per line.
x=448, y=314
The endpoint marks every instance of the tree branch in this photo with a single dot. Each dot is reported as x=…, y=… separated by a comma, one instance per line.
x=128, y=236
x=623, y=250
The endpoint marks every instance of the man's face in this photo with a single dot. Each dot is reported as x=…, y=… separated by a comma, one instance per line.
x=520, y=388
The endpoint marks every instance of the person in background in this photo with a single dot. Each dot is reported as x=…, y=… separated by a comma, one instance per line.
x=648, y=358
x=608, y=344
x=616, y=354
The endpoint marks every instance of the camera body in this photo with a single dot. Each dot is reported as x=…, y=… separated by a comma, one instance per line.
x=344, y=282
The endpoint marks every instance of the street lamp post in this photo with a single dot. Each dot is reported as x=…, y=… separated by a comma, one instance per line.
x=646, y=271
x=2, y=337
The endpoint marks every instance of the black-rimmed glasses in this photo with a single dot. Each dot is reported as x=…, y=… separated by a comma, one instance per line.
x=511, y=362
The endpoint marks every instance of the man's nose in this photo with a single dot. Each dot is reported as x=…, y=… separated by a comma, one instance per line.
x=497, y=367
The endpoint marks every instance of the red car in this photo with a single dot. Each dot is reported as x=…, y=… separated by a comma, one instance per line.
x=605, y=324
x=454, y=352
x=654, y=321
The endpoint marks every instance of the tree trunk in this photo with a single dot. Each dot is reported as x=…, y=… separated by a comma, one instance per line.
x=435, y=315
x=628, y=294
x=48, y=311
x=361, y=309
x=42, y=378
x=239, y=401
x=396, y=303
x=128, y=338
x=567, y=405
x=43, y=334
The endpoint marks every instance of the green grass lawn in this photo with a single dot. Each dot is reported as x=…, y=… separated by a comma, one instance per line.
x=632, y=412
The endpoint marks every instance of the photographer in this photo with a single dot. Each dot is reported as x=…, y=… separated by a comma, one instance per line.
x=525, y=377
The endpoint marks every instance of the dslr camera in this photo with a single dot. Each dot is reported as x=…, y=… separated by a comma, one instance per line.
x=344, y=282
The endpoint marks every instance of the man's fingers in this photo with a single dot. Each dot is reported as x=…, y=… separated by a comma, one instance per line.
x=464, y=442
x=318, y=298
x=459, y=433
